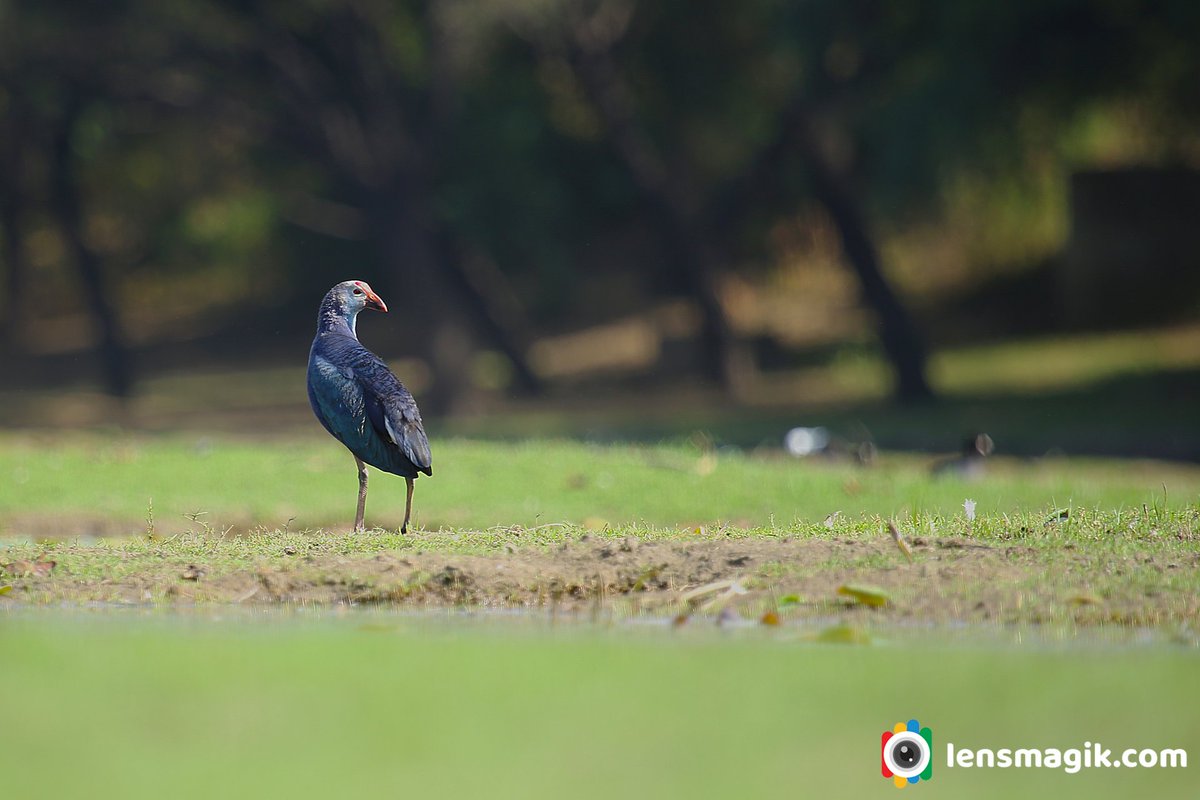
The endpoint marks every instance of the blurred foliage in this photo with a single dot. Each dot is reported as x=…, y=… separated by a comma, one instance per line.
x=501, y=158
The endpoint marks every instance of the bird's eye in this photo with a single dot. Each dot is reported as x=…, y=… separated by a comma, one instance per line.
x=358, y=291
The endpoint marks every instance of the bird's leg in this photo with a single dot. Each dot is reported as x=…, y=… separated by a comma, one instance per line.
x=407, y=505
x=362, y=495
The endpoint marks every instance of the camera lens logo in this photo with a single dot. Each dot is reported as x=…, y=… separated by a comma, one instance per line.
x=907, y=753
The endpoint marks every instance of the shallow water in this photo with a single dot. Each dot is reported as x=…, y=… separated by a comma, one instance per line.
x=333, y=701
x=519, y=622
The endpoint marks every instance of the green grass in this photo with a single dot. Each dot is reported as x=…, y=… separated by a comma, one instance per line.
x=1127, y=569
x=1126, y=545
x=63, y=485
x=278, y=702
x=354, y=705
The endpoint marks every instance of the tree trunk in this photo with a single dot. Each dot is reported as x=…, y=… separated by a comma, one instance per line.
x=490, y=301
x=14, y=268
x=725, y=363
x=14, y=140
x=901, y=342
x=679, y=220
x=410, y=254
x=67, y=206
x=457, y=298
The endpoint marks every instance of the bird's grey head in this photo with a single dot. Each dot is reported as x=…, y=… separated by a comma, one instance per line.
x=344, y=301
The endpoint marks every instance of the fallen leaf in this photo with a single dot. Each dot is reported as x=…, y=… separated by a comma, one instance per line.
x=842, y=634
x=770, y=618
x=1058, y=516
x=788, y=600
x=5, y=590
x=733, y=586
x=867, y=595
x=1085, y=599
x=899, y=540
x=23, y=568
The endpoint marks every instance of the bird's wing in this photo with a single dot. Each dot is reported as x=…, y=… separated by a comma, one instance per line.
x=393, y=412
x=335, y=399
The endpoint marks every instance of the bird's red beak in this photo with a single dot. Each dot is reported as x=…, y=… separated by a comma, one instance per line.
x=375, y=301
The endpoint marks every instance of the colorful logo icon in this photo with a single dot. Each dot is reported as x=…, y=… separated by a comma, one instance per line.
x=906, y=753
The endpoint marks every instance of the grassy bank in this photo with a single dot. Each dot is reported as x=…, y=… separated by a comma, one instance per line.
x=683, y=627
x=633, y=529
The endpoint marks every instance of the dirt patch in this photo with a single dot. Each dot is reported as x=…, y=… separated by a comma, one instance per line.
x=948, y=579
x=76, y=525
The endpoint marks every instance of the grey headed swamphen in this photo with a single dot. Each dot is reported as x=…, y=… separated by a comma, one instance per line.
x=358, y=399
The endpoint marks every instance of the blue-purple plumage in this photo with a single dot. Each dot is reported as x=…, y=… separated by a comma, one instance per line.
x=358, y=399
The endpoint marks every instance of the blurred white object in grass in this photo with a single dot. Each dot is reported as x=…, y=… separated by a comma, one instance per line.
x=802, y=442
x=969, y=508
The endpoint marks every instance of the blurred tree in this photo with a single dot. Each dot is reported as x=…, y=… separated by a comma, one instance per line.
x=697, y=71
x=481, y=147
x=46, y=84
x=584, y=40
x=14, y=137
x=366, y=91
x=67, y=206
